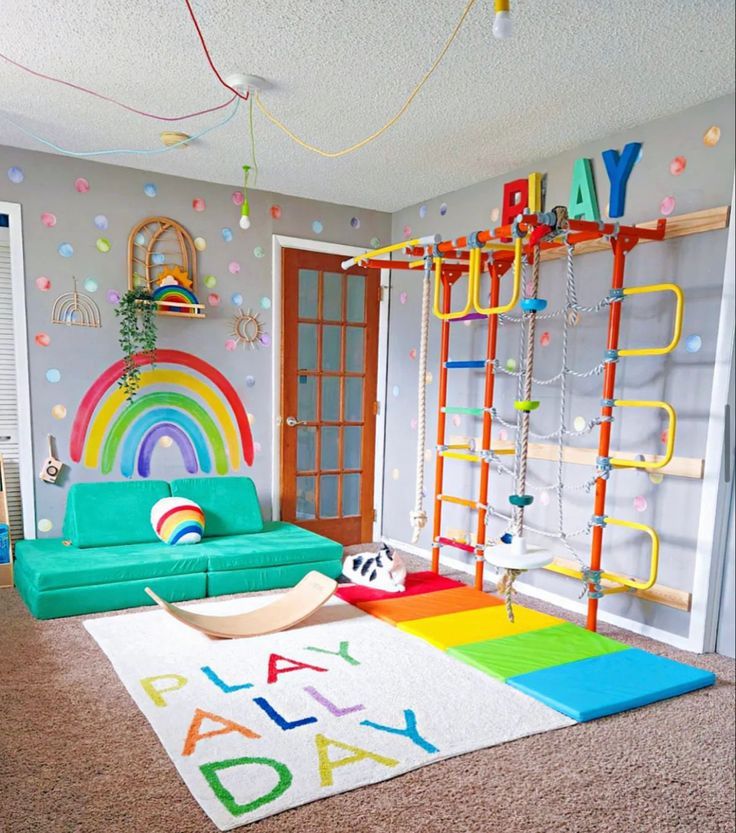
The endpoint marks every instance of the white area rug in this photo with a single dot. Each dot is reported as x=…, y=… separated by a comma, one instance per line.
x=256, y=726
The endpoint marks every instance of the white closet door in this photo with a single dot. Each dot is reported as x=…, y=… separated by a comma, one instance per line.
x=9, y=445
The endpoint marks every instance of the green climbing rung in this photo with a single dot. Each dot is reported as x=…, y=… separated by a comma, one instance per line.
x=471, y=411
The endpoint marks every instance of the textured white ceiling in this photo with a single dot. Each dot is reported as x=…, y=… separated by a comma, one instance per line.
x=575, y=70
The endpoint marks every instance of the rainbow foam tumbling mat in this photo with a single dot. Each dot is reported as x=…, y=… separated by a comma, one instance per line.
x=581, y=674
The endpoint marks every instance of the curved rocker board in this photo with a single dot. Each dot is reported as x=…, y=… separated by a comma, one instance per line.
x=297, y=604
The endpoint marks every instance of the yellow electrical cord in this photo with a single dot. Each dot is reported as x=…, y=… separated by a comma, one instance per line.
x=390, y=123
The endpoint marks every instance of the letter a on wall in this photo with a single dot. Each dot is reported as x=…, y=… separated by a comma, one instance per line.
x=583, y=203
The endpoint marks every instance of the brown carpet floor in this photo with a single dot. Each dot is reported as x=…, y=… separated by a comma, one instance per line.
x=76, y=756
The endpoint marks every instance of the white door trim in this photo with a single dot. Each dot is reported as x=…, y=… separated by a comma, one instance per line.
x=23, y=389
x=281, y=242
x=713, y=523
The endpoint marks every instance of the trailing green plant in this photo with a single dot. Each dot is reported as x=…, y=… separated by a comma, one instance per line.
x=138, y=335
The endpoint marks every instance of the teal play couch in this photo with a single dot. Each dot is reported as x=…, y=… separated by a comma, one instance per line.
x=110, y=552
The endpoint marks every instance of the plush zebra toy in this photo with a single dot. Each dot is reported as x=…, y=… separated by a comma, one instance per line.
x=382, y=570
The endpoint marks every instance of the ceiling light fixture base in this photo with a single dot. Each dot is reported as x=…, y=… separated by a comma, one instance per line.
x=243, y=82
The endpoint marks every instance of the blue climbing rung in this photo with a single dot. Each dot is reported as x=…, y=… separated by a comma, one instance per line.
x=479, y=363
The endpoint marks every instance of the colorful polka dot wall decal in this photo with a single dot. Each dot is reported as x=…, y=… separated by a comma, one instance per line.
x=53, y=375
x=16, y=175
x=579, y=423
x=233, y=267
x=250, y=381
x=503, y=435
x=265, y=339
x=403, y=297
x=158, y=259
x=259, y=252
x=354, y=222
x=200, y=244
x=395, y=474
x=210, y=281
x=265, y=302
x=495, y=214
x=227, y=235
x=510, y=365
x=656, y=477
x=42, y=339
x=66, y=249
x=165, y=442
x=113, y=296
x=712, y=136
x=443, y=209
x=456, y=420
x=48, y=219
x=236, y=299
x=663, y=437
x=640, y=503
x=422, y=211
x=58, y=412
x=230, y=345
x=90, y=285
x=44, y=525
x=395, y=390
x=412, y=353
x=544, y=498
x=199, y=204
x=275, y=212
x=375, y=242
x=150, y=189
x=237, y=198
x=103, y=245
x=101, y=222
x=545, y=339
x=140, y=239
x=678, y=165
x=81, y=186
x=43, y=283
x=693, y=343
x=213, y=299
x=407, y=231
x=317, y=227
x=667, y=206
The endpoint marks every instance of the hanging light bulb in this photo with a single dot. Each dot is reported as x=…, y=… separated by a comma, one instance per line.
x=245, y=209
x=502, y=20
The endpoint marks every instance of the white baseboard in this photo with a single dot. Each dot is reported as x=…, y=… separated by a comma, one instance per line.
x=559, y=601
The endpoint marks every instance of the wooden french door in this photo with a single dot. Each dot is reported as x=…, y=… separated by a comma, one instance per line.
x=328, y=395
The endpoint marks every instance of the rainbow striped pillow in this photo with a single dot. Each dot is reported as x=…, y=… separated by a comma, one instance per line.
x=177, y=520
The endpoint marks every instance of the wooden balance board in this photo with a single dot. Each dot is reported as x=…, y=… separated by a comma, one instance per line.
x=297, y=604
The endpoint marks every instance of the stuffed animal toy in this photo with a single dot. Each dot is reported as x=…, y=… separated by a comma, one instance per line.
x=382, y=570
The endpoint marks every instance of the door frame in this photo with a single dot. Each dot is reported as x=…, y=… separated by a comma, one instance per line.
x=22, y=377
x=279, y=243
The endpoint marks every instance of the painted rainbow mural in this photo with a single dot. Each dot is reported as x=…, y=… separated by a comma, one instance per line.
x=203, y=416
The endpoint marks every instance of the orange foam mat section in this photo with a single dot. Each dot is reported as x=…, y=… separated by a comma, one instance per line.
x=477, y=625
x=429, y=605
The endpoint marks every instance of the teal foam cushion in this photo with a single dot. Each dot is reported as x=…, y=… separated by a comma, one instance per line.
x=230, y=504
x=611, y=683
x=108, y=514
x=49, y=565
x=280, y=543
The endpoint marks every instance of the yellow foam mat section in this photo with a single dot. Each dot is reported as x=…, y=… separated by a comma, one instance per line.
x=477, y=625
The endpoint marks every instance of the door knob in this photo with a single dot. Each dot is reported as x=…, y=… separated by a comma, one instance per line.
x=292, y=422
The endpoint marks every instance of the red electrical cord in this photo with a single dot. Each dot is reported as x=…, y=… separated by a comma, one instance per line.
x=209, y=57
x=114, y=101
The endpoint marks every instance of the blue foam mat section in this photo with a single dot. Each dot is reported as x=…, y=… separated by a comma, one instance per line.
x=612, y=683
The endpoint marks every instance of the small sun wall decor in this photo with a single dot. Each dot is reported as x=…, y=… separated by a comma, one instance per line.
x=247, y=329
x=75, y=309
x=162, y=261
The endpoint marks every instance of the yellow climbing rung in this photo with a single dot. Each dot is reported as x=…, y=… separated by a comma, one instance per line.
x=460, y=501
x=677, y=329
x=456, y=455
x=661, y=462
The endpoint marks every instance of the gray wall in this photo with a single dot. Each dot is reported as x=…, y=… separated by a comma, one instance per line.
x=682, y=378
x=80, y=354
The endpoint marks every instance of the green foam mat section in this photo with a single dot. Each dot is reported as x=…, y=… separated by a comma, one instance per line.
x=522, y=653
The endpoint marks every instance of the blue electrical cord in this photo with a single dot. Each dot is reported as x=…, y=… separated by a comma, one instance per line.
x=112, y=151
